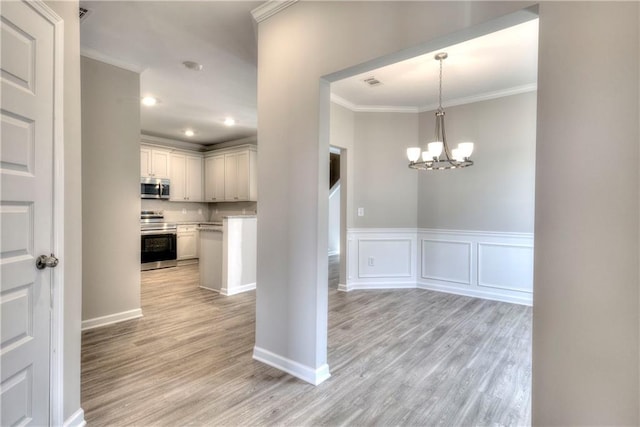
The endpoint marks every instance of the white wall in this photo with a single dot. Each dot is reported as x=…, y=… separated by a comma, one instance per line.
x=110, y=192
x=497, y=192
x=68, y=11
x=571, y=354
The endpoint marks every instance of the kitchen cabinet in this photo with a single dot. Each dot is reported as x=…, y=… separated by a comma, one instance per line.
x=154, y=162
x=214, y=178
x=186, y=178
x=231, y=175
x=188, y=242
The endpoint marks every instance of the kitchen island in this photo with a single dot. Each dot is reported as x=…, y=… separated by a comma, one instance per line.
x=228, y=255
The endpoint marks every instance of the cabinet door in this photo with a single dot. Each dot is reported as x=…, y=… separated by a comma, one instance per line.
x=145, y=162
x=177, y=177
x=231, y=177
x=242, y=176
x=187, y=245
x=193, y=187
x=214, y=178
x=160, y=163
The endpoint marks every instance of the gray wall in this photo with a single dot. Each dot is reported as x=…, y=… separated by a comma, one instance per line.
x=497, y=192
x=68, y=11
x=580, y=374
x=110, y=189
x=585, y=303
x=384, y=186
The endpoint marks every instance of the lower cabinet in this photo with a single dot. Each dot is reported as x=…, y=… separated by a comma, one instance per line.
x=187, y=242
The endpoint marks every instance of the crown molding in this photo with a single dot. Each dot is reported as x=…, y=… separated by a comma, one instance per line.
x=270, y=8
x=94, y=54
x=167, y=142
x=430, y=107
x=517, y=90
x=336, y=99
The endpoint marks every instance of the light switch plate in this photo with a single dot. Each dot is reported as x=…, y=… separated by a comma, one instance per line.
x=360, y=211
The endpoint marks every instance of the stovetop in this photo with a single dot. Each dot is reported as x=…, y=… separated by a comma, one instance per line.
x=154, y=220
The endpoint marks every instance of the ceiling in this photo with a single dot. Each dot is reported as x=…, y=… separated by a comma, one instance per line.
x=497, y=64
x=156, y=37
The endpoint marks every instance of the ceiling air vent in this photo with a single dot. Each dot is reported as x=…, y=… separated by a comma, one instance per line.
x=84, y=13
x=372, y=81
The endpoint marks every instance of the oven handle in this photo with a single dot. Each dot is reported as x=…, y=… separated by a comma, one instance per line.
x=150, y=232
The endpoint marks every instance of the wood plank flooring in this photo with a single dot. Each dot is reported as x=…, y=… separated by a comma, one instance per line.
x=402, y=357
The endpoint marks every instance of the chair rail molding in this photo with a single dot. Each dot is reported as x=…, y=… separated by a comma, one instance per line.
x=482, y=264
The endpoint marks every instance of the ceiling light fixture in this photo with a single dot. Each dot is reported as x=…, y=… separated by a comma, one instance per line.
x=192, y=65
x=189, y=132
x=453, y=159
x=229, y=121
x=149, y=101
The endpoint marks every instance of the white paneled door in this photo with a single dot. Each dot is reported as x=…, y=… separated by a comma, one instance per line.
x=26, y=212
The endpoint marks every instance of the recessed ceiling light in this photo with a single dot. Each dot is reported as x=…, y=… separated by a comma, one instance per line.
x=229, y=121
x=149, y=101
x=189, y=132
x=192, y=65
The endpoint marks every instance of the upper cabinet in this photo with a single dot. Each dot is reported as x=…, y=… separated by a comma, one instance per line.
x=214, y=178
x=231, y=175
x=154, y=162
x=186, y=177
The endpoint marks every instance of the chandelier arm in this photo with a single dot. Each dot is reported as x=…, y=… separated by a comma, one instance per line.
x=447, y=153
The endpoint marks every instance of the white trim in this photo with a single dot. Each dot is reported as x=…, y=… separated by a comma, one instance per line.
x=171, y=143
x=237, y=289
x=75, y=420
x=110, y=319
x=478, y=233
x=493, y=296
x=98, y=56
x=343, y=288
x=298, y=370
x=447, y=279
x=392, y=284
x=332, y=253
x=268, y=9
x=487, y=96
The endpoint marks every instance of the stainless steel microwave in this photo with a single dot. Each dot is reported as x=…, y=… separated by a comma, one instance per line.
x=155, y=188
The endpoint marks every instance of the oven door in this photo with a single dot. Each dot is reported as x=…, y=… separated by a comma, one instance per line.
x=159, y=249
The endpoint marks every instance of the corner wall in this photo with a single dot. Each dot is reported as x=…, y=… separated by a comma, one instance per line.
x=110, y=193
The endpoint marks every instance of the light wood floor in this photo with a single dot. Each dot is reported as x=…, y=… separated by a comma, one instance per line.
x=403, y=357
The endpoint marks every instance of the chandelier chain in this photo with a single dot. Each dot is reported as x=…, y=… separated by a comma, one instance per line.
x=440, y=90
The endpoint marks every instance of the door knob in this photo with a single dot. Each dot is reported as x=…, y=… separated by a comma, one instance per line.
x=44, y=261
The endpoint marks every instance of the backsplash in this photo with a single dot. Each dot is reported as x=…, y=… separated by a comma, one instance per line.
x=218, y=210
x=178, y=211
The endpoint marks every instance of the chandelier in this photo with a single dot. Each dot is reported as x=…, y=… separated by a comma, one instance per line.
x=437, y=156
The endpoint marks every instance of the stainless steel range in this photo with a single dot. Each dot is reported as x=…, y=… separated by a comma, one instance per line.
x=158, y=241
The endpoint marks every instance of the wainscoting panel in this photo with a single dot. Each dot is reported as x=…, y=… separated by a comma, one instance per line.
x=490, y=265
x=381, y=259
x=504, y=266
x=447, y=261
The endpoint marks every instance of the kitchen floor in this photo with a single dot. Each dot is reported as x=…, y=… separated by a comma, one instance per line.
x=409, y=357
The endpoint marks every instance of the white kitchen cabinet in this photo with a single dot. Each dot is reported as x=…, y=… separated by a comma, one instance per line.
x=154, y=162
x=231, y=175
x=188, y=242
x=186, y=178
x=214, y=178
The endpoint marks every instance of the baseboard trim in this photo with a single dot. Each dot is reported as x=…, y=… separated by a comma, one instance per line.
x=237, y=290
x=526, y=299
x=76, y=419
x=358, y=286
x=298, y=370
x=110, y=319
x=342, y=287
